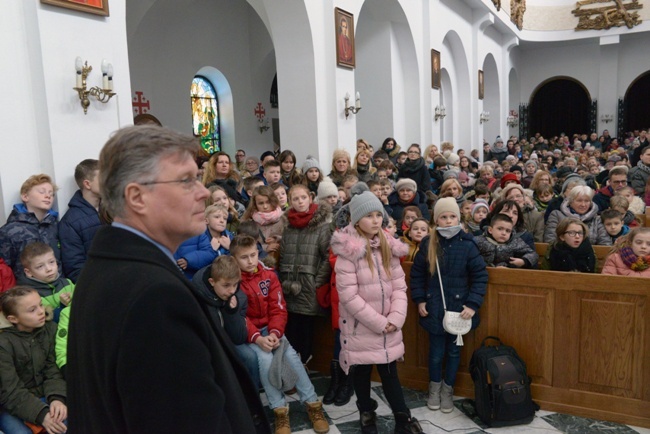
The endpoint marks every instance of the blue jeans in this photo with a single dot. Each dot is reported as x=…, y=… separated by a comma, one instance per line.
x=275, y=396
x=11, y=424
x=443, y=346
x=249, y=359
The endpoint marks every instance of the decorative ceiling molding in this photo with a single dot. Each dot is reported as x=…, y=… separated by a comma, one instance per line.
x=615, y=14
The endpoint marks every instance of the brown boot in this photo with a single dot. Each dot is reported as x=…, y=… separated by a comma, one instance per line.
x=282, y=425
x=318, y=421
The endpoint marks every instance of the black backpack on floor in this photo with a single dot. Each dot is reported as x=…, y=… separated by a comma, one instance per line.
x=502, y=386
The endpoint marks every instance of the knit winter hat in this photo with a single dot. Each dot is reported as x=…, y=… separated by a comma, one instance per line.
x=508, y=177
x=498, y=140
x=326, y=189
x=453, y=159
x=509, y=187
x=446, y=204
x=281, y=375
x=516, y=168
x=363, y=204
x=531, y=163
x=358, y=188
x=310, y=163
x=406, y=183
x=450, y=174
x=573, y=178
x=480, y=203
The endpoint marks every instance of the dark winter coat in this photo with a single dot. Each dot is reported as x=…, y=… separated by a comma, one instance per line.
x=28, y=372
x=417, y=171
x=233, y=320
x=602, y=198
x=464, y=278
x=22, y=228
x=638, y=177
x=76, y=231
x=498, y=255
x=561, y=257
x=144, y=354
x=304, y=266
x=398, y=206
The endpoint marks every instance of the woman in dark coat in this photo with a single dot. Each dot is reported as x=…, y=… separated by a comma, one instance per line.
x=416, y=169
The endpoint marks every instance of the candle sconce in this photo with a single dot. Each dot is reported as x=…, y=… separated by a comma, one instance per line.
x=440, y=112
x=350, y=109
x=103, y=94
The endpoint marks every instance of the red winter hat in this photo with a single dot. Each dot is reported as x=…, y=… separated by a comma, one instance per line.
x=508, y=177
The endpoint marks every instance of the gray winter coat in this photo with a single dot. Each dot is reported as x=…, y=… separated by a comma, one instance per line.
x=304, y=262
x=638, y=177
x=498, y=255
x=597, y=233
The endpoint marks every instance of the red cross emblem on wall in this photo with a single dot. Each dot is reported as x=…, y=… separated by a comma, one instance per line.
x=140, y=103
x=259, y=111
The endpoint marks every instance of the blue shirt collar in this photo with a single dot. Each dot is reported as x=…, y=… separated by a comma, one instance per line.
x=164, y=249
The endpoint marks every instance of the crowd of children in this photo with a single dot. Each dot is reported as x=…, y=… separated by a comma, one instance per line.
x=284, y=242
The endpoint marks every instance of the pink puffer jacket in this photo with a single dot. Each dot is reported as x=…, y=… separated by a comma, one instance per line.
x=368, y=300
x=615, y=265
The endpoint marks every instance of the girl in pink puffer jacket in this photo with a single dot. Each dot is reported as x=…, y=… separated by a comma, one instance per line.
x=372, y=307
x=632, y=257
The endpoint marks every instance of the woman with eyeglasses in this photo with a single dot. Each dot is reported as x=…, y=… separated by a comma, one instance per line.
x=416, y=169
x=533, y=219
x=572, y=251
x=579, y=204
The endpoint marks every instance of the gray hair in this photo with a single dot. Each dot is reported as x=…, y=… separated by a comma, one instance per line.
x=580, y=190
x=133, y=154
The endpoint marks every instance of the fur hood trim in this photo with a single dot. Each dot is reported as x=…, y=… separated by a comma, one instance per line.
x=350, y=245
x=321, y=215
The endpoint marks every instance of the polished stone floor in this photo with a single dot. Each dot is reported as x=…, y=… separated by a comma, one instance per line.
x=345, y=420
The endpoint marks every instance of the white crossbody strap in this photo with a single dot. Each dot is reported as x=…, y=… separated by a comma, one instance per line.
x=444, y=305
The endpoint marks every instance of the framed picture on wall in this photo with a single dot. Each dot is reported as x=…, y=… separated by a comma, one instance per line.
x=97, y=7
x=435, y=69
x=344, y=29
x=481, y=85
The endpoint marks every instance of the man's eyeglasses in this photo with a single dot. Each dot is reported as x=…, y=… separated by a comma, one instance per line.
x=621, y=182
x=188, y=183
x=574, y=234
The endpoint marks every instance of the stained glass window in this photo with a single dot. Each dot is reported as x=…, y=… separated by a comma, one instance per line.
x=205, y=114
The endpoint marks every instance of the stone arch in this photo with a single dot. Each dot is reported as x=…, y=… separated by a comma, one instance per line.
x=387, y=74
x=559, y=104
x=446, y=100
x=492, y=98
x=454, y=58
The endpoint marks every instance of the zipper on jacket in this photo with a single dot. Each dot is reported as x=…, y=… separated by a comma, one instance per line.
x=354, y=330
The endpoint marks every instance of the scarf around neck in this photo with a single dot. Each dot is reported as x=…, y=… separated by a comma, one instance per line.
x=636, y=263
x=300, y=220
x=267, y=218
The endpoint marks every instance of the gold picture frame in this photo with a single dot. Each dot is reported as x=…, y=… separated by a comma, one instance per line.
x=97, y=7
x=435, y=69
x=344, y=30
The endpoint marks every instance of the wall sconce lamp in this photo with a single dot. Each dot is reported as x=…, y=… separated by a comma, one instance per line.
x=348, y=108
x=264, y=125
x=607, y=118
x=440, y=112
x=484, y=117
x=103, y=94
x=513, y=119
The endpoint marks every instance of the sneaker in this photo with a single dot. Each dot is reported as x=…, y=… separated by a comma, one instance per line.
x=317, y=418
x=446, y=398
x=433, y=402
x=282, y=425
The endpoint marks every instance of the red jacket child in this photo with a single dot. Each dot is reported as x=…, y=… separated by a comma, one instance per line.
x=266, y=306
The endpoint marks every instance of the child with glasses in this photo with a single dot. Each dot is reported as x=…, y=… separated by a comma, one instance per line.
x=572, y=250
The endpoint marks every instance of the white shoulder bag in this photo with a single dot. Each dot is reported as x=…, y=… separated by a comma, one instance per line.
x=452, y=322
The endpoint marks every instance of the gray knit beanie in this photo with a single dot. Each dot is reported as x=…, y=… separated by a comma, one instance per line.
x=358, y=188
x=408, y=183
x=281, y=375
x=310, y=163
x=326, y=189
x=363, y=204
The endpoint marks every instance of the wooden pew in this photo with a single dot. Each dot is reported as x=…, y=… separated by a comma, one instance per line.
x=584, y=337
x=600, y=251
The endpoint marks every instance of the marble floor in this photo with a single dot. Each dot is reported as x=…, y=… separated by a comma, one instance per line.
x=345, y=420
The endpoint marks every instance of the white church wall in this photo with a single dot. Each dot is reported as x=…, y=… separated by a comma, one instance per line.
x=49, y=122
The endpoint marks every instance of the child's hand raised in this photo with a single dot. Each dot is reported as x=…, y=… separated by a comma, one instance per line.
x=225, y=242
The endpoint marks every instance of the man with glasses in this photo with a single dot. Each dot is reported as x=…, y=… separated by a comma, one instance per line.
x=616, y=181
x=143, y=353
x=240, y=158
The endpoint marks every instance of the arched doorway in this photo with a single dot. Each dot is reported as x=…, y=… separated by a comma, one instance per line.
x=637, y=111
x=559, y=105
x=491, y=99
x=454, y=61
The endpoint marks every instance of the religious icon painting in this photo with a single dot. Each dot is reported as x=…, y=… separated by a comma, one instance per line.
x=344, y=22
x=435, y=69
x=97, y=7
